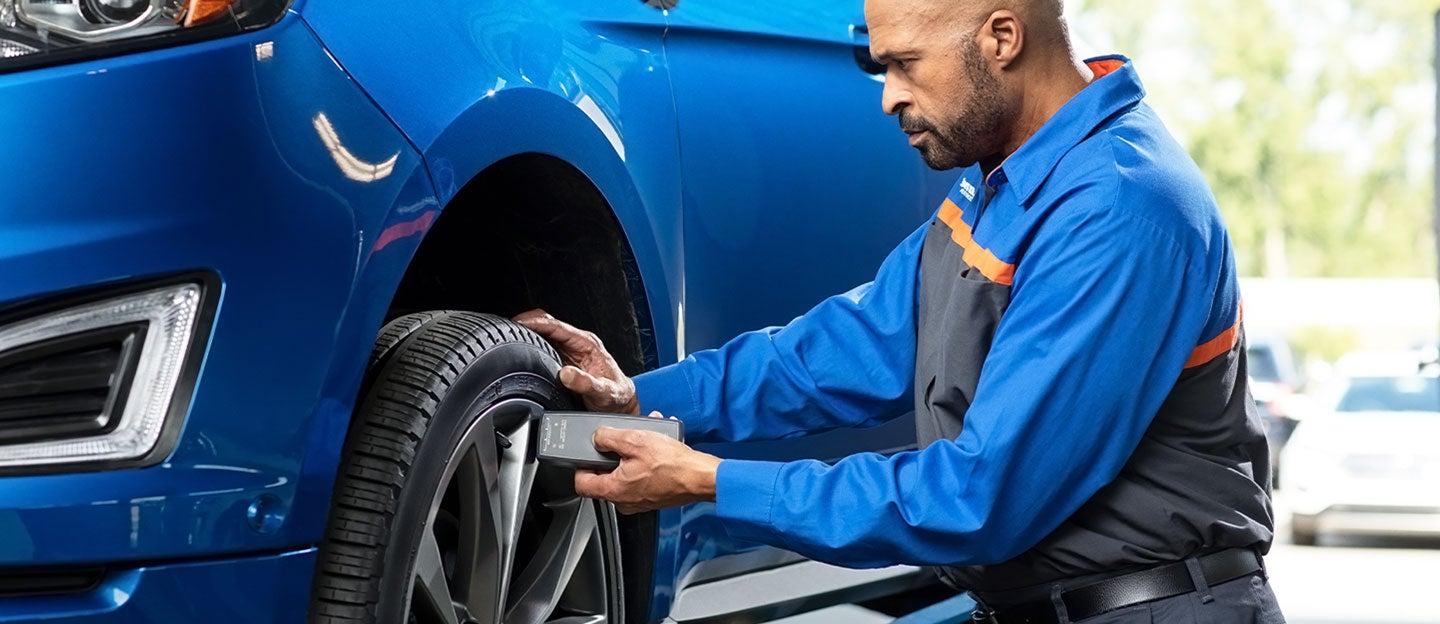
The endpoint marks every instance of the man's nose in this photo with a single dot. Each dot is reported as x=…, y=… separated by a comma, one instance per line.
x=895, y=97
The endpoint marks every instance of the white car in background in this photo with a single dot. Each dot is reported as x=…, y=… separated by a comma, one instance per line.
x=1369, y=465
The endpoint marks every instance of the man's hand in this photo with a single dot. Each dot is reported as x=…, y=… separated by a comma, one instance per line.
x=590, y=371
x=655, y=472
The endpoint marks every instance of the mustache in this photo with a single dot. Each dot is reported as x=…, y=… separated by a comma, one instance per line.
x=911, y=124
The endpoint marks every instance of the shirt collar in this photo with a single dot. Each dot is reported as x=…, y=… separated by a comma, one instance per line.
x=1116, y=87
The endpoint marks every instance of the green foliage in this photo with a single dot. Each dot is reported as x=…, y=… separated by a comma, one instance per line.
x=1312, y=119
x=1326, y=344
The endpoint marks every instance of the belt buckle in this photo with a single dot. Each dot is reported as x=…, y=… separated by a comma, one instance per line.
x=983, y=616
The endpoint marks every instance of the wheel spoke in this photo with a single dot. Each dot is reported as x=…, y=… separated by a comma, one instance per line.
x=434, y=589
x=477, y=565
x=517, y=475
x=466, y=568
x=579, y=619
x=540, y=586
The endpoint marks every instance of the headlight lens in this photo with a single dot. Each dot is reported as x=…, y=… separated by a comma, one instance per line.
x=169, y=318
x=34, y=32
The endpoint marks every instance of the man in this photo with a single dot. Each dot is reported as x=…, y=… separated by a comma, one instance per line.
x=1067, y=331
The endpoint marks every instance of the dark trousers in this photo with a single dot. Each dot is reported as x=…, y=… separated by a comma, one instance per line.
x=1246, y=600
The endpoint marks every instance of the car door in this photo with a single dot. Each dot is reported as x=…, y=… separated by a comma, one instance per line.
x=795, y=183
x=795, y=186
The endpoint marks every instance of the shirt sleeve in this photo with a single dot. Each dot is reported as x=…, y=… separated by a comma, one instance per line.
x=849, y=362
x=1104, y=313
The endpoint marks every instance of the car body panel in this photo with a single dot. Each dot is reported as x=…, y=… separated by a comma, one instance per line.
x=773, y=107
x=250, y=589
x=230, y=175
x=302, y=164
x=581, y=80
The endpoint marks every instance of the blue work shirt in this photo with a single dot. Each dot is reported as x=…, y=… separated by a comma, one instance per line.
x=1121, y=276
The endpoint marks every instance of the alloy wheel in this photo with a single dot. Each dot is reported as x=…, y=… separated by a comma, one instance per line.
x=507, y=540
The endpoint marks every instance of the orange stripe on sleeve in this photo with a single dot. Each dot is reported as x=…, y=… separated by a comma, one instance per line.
x=979, y=257
x=1219, y=345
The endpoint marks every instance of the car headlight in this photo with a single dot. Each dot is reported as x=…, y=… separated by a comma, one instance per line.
x=38, y=32
x=96, y=383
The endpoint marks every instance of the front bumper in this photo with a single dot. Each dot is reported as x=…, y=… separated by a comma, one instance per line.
x=254, y=590
x=253, y=159
x=1327, y=500
x=1377, y=521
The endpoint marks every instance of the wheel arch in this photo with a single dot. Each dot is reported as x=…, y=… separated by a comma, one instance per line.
x=538, y=130
x=530, y=215
x=588, y=87
x=551, y=239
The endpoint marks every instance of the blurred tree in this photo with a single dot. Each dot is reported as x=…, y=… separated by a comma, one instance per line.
x=1312, y=119
x=1324, y=344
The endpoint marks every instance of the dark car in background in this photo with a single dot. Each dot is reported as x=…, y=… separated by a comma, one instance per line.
x=1274, y=384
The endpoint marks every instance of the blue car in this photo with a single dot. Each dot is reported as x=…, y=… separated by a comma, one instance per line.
x=212, y=208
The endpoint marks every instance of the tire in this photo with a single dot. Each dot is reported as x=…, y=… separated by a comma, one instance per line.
x=438, y=501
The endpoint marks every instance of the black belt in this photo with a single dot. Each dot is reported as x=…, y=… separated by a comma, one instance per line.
x=1127, y=590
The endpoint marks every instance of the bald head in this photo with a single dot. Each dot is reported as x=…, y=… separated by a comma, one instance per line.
x=1043, y=18
x=961, y=74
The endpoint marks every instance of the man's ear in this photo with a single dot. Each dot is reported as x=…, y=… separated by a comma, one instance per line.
x=1002, y=38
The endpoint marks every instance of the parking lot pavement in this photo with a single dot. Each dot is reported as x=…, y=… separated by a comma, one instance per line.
x=1350, y=581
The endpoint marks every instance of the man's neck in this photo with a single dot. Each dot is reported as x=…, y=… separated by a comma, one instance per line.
x=1053, y=88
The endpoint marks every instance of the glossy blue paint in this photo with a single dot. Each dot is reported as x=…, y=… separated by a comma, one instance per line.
x=249, y=589
x=118, y=173
x=753, y=77
x=740, y=146
x=582, y=80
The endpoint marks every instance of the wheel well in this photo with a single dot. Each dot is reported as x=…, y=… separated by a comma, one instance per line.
x=532, y=231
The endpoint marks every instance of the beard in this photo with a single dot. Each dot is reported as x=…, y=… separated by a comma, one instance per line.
x=972, y=136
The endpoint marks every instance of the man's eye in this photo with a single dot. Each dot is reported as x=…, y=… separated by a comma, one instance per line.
x=902, y=64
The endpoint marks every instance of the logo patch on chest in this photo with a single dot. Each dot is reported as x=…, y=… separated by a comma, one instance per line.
x=968, y=190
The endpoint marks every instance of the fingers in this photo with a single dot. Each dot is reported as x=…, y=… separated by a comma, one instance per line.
x=530, y=315
x=591, y=372
x=578, y=381
x=590, y=484
x=626, y=442
x=541, y=322
x=567, y=337
x=600, y=394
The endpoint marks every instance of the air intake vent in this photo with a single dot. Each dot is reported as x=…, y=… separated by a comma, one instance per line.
x=18, y=583
x=68, y=387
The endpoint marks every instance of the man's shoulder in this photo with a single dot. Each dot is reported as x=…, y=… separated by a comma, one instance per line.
x=1133, y=170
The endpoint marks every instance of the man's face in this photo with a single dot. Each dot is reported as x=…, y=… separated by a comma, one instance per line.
x=937, y=82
